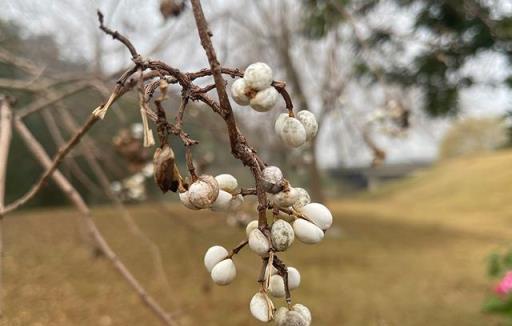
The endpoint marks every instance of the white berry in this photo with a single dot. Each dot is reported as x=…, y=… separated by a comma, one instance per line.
x=185, y=199
x=293, y=133
x=264, y=100
x=224, y=272
x=203, y=192
x=286, y=199
x=318, y=214
x=238, y=92
x=272, y=178
x=213, y=256
x=307, y=232
x=303, y=198
x=308, y=120
x=282, y=235
x=259, y=243
x=261, y=307
x=227, y=182
x=252, y=225
x=258, y=76
x=278, y=126
x=223, y=201
x=304, y=311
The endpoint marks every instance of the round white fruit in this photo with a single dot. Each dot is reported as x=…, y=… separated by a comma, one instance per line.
x=276, y=287
x=307, y=232
x=259, y=243
x=222, y=202
x=293, y=133
x=282, y=235
x=252, y=225
x=203, y=192
x=272, y=178
x=308, y=120
x=185, y=200
x=293, y=278
x=304, y=311
x=286, y=199
x=264, y=100
x=258, y=76
x=238, y=92
x=261, y=307
x=227, y=182
x=285, y=317
x=224, y=272
x=303, y=198
x=213, y=256
x=278, y=126
x=318, y=214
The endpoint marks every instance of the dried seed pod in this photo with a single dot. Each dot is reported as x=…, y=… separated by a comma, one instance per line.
x=224, y=272
x=293, y=133
x=227, y=182
x=303, y=198
x=258, y=76
x=203, y=192
x=236, y=202
x=286, y=199
x=318, y=214
x=223, y=201
x=285, y=317
x=259, y=243
x=272, y=177
x=213, y=256
x=167, y=175
x=278, y=126
x=171, y=8
x=252, y=225
x=185, y=199
x=238, y=92
x=304, y=311
x=308, y=120
x=261, y=307
x=264, y=100
x=307, y=232
x=282, y=235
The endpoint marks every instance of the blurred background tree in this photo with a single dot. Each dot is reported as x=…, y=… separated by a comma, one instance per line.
x=433, y=55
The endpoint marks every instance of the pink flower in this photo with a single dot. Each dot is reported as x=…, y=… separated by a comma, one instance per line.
x=505, y=285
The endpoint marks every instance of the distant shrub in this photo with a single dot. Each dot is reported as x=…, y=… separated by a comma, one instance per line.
x=474, y=135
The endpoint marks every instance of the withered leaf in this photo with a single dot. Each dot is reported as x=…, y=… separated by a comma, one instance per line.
x=167, y=175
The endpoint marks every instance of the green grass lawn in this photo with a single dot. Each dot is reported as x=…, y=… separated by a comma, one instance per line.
x=411, y=254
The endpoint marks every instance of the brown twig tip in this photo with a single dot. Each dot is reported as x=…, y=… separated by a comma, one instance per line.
x=118, y=36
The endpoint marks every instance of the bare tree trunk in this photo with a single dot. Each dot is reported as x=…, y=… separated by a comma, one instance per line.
x=317, y=192
x=5, y=141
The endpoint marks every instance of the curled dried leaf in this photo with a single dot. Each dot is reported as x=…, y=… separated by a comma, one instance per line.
x=167, y=175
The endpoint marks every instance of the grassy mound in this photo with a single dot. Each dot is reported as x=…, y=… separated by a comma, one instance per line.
x=412, y=254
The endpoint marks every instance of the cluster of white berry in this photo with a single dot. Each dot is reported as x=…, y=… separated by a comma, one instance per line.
x=294, y=216
x=218, y=194
x=255, y=89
